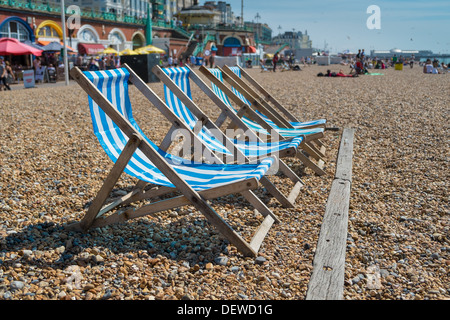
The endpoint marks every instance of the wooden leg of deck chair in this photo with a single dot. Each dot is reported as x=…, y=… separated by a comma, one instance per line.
x=320, y=147
x=287, y=171
x=323, y=149
x=312, y=151
x=270, y=187
x=259, y=205
x=294, y=178
x=108, y=185
x=320, y=144
x=261, y=233
x=319, y=150
x=307, y=162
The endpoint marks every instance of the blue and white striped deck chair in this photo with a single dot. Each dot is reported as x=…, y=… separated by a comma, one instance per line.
x=242, y=89
x=295, y=123
x=311, y=134
x=251, y=149
x=135, y=154
x=284, y=132
x=178, y=95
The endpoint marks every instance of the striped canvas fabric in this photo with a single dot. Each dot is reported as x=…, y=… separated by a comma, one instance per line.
x=249, y=148
x=287, y=133
x=114, y=86
x=296, y=125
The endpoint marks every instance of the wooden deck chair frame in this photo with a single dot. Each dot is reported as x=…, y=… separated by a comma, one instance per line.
x=188, y=196
x=270, y=98
x=246, y=110
x=285, y=201
x=261, y=103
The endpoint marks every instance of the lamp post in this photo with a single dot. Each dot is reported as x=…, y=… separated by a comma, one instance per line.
x=63, y=22
x=242, y=13
x=149, y=25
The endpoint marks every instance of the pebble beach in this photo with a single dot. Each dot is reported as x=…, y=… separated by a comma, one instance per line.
x=52, y=166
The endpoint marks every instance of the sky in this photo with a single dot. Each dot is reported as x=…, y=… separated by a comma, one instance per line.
x=343, y=25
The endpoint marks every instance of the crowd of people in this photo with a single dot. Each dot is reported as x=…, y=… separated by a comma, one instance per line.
x=191, y=61
x=360, y=64
x=167, y=61
x=282, y=62
x=435, y=67
x=106, y=62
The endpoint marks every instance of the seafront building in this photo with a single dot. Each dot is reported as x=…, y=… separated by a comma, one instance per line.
x=292, y=43
x=219, y=31
x=180, y=27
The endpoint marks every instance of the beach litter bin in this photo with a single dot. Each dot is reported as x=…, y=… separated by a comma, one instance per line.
x=398, y=66
x=198, y=61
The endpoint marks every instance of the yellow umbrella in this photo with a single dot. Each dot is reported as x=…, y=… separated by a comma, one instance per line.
x=141, y=51
x=127, y=52
x=153, y=49
x=109, y=51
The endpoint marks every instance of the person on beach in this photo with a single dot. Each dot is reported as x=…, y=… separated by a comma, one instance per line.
x=3, y=75
x=337, y=74
x=93, y=65
x=342, y=74
x=428, y=67
x=359, y=67
x=10, y=78
x=36, y=65
x=110, y=63
x=394, y=59
x=275, y=61
x=2, y=65
x=102, y=63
